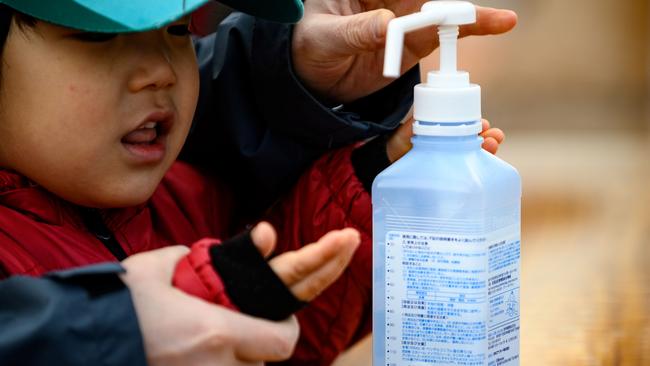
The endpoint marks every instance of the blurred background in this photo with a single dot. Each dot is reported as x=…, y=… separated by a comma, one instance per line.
x=570, y=86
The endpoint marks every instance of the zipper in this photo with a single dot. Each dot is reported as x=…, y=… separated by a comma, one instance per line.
x=96, y=226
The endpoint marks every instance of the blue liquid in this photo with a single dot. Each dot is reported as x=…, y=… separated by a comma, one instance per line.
x=450, y=187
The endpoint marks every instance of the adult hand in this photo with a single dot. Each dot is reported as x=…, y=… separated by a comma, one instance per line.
x=179, y=329
x=338, y=46
x=399, y=142
x=311, y=269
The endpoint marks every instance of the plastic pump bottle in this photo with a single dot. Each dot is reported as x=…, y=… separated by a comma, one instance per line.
x=446, y=222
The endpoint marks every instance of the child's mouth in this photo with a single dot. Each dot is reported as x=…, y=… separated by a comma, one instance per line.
x=147, y=142
x=143, y=135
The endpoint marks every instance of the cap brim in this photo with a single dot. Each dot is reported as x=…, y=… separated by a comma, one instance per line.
x=121, y=16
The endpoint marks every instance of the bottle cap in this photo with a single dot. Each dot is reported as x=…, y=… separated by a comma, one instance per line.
x=447, y=104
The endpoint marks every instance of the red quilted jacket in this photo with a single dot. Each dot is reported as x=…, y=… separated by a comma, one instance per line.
x=40, y=232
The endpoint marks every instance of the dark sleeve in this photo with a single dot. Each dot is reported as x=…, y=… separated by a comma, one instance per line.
x=78, y=317
x=258, y=127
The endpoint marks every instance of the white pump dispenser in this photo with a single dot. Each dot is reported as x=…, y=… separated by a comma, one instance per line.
x=447, y=105
x=446, y=223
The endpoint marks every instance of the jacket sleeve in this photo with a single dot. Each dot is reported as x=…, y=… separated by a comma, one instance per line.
x=330, y=196
x=256, y=119
x=77, y=317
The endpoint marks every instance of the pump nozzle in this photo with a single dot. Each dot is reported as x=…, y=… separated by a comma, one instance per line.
x=447, y=103
x=443, y=13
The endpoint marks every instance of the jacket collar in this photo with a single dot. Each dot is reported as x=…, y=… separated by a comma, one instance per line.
x=22, y=195
x=19, y=193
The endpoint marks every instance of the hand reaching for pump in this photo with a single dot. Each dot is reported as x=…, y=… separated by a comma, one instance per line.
x=338, y=47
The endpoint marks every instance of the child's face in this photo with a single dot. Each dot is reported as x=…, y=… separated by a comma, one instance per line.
x=96, y=119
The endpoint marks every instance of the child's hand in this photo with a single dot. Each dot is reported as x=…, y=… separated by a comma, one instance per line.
x=492, y=137
x=311, y=269
x=400, y=142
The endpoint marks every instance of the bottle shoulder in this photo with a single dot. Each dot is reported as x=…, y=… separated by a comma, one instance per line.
x=470, y=171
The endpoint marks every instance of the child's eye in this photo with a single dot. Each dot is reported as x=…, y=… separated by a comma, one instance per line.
x=181, y=30
x=94, y=37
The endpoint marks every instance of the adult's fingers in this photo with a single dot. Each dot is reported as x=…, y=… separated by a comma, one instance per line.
x=421, y=43
x=352, y=35
x=157, y=265
x=490, y=21
x=306, y=263
x=263, y=340
x=169, y=255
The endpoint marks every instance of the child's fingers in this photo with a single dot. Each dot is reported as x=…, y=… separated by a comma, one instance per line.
x=294, y=267
x=485, y=125
x=319, y=280
x=490, y=144
x=495, y=133
x=264, y=238
x=400, y=142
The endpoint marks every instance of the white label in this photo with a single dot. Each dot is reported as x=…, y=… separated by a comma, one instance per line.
x=503, y=294
x=452, y=300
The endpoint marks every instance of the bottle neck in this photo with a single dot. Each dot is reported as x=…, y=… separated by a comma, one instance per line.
x=447, y=143
x=446, y=128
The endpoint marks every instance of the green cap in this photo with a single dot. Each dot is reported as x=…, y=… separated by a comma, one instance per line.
x=121, y=16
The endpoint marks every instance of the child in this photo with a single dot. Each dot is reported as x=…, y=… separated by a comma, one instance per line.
x=88, y=141
x=88, y=144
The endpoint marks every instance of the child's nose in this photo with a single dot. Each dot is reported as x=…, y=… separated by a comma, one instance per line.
x=154, y=69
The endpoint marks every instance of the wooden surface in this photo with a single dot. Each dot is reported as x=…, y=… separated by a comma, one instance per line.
x=585, y=250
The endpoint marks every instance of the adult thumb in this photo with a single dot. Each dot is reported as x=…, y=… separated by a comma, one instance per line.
x=363, y=32
x=158, y=265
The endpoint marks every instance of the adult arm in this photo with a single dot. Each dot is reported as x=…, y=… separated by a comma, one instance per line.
x=77, y=317
x=258, y=126
x=87, y=316
x=271, y=93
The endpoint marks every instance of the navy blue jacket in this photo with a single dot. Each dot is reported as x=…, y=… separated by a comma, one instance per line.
x=256, y=127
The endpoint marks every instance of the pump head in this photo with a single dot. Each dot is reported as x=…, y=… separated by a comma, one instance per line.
x=447, y=105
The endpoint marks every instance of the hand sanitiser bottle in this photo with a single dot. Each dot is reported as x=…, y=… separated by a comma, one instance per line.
x=446, y=222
